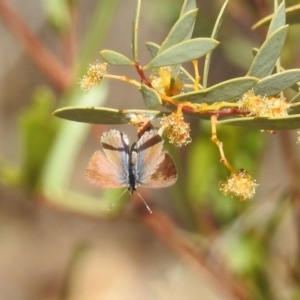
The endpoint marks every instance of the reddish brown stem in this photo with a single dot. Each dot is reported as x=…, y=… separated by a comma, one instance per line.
x=142, y=75
x=164, y=228
x=52, y=68
x=219, y=113
x=69, y=41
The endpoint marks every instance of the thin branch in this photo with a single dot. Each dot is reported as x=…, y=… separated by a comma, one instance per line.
x=164, y=228
x=50, y=66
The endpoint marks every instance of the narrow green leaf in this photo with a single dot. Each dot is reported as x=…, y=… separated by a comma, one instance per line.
x=153, y=48
x=115, y=58
x=266, y=57
x=183, y=52
x=283, y=123
x=151, y=96
x=187, y=6
x=38, y=130
x=135, y=28
x=276, y=83
x=103, y=115
x=180, y=30
x=292, y=17
x=278, y=19
x=228, y=90
x=213, y=36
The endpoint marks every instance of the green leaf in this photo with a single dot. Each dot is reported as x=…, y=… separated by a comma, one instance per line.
x=292, y=17
x=115, y=58
x=278, y=19
x=282, y=123
x=213, y=36
x=151, y=96
x=228, y=90
x=103, y=115
x=188, y=5
x=266, y=57
x=38, y=130
x=153, y=48
x=180, y=30
x=183, y=52
x=276, y=83
x=135, y=28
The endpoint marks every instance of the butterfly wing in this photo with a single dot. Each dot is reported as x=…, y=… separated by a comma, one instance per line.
x=155, y=168
x=103, y=173
x=110, y=169
x=115, y=146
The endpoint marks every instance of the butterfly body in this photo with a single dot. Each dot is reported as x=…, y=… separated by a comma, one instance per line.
x=144, y=164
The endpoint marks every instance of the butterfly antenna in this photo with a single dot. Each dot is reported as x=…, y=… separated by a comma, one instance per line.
x=149, y=209
x=111, y=206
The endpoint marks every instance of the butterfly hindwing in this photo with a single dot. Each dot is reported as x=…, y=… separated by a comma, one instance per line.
x=155, y=168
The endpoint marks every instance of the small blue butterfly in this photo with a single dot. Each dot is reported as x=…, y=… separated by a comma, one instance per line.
x=143, y=164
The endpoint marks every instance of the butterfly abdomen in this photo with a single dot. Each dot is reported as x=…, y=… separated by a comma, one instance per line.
x=132, y=170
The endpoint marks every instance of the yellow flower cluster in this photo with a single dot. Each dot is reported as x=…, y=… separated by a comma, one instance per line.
x=94, y=76
x=177, y=130
x=240, y=185
x=161, y=81
x=259, y=106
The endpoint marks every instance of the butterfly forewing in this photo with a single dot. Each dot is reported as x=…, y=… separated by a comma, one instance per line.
x=116, y=148
x=155, y=167
x=103, y=173
x=149, y=148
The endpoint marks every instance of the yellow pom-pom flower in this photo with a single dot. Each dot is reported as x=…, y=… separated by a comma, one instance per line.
x=177, y=130
x=240, y=185
x=94, y=76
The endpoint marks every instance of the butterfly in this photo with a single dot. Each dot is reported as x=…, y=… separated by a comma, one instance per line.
x=143, y=164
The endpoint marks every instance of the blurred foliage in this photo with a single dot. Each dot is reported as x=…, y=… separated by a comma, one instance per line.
x=242, y=234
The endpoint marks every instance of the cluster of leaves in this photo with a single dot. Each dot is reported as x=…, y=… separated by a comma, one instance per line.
x=265, y=76
x=255, y=100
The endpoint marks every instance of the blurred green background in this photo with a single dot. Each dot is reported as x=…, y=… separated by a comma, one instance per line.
x=57, y=238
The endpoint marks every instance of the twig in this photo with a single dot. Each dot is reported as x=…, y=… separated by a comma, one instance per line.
x=164, y=228
x=52, y=68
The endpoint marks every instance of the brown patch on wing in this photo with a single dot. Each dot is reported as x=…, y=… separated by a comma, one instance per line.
x=163, y=175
